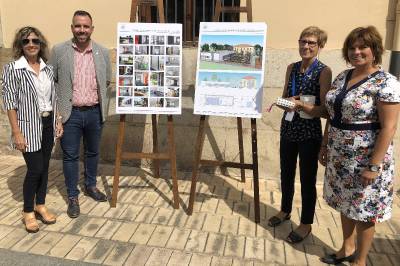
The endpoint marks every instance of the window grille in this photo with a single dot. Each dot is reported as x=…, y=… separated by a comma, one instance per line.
x=191, y=12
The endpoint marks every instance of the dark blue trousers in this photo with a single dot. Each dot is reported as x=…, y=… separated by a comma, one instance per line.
x=83, y=124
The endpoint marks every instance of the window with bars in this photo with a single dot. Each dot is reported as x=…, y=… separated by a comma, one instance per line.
x=191, y=12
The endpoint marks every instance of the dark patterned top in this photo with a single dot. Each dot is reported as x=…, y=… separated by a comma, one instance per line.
x=300, y=129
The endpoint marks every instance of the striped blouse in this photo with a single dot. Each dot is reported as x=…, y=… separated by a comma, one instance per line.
x=19, y=93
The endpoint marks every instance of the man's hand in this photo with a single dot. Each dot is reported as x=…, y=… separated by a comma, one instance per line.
x=59, y=129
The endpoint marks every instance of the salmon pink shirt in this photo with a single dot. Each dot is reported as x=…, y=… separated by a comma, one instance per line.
x=84, y=91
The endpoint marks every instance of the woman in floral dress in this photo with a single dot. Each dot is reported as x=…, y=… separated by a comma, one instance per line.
x=363, y=107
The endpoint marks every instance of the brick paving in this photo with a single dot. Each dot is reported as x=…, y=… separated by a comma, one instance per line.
x=144, y=229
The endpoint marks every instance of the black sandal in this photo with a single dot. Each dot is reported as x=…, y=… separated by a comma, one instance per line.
x=333, y=259
x=275, y=221
x=294, y=238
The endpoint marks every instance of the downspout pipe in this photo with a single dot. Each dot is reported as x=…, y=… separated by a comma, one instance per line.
x=394, y=67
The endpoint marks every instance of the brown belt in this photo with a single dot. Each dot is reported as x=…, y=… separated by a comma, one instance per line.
x=85, y=108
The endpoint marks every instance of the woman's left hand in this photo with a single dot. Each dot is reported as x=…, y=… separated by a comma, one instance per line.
x=298, y=105
x=368, y=177
x=59, y=129
x=322, y=155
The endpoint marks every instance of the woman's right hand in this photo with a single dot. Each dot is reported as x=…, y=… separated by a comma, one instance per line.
x=322, y=155
x=19, y=141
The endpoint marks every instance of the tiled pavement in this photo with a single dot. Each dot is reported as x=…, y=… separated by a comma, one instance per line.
x=144, y=229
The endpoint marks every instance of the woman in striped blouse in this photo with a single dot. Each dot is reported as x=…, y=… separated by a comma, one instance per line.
x=30, y=101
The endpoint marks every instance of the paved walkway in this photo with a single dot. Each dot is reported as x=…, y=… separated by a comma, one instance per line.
x=144, y=229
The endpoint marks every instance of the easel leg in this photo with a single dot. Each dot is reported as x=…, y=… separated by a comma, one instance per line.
x=196, y=163
x=241, y=153
x=134, y=5
x=255, y=170
x=121, y=134
x=143, y=13
x=156, y=163
x=161, y=16
x=249, y=11
x=188, y=24
x=172, y=154
x=147, y=13
x=217, y=12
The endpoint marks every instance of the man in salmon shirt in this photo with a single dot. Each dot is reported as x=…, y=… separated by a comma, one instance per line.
x=82, y=73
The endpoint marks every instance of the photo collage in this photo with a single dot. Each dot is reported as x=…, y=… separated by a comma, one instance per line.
x=149, y=78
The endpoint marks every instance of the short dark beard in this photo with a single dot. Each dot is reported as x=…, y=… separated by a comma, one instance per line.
x=77, y=43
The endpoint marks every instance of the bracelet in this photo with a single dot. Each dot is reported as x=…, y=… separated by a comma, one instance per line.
x=59, y=117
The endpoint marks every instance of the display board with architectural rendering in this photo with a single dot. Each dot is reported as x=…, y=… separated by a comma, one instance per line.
x=230, y=69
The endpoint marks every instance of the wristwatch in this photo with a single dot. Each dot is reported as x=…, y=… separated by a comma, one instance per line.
x=374, y=167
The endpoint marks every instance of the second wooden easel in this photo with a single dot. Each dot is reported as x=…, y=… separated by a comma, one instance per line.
x=200, y=136
x=145, y=16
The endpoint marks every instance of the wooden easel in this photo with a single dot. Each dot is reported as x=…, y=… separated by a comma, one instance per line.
x=200, y=136
x=155, y=155
x=144, y=10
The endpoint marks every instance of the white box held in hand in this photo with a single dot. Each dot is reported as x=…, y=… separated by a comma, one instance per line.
x=284, y=103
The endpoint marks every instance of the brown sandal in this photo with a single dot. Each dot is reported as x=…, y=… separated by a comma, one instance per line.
x=29, y=220
x=43, y=214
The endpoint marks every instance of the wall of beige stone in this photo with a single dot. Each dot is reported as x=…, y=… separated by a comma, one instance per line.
x=221, y=134
x=1, y=33
x=285, y=18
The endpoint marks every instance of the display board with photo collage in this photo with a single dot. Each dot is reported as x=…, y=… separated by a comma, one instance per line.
x=149, y=73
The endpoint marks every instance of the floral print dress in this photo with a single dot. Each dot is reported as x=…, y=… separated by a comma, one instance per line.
x=349, y=151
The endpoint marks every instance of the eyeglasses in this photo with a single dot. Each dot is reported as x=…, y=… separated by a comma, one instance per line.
x=310, y=43
x=27, y=41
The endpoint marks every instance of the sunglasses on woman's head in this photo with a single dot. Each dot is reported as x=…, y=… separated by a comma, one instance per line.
x=27, y=41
